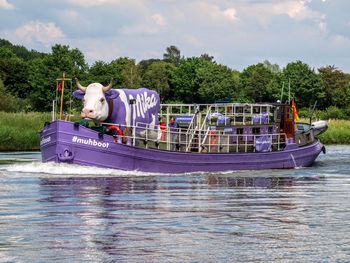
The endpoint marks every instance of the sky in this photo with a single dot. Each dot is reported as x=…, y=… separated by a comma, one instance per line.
x=238, y=33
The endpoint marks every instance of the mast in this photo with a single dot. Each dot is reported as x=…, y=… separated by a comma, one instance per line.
x=63, y=79
x=288, y=90
x=282, y=92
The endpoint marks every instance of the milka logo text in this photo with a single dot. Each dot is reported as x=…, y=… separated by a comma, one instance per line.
x=144, y=103
x=89, y=141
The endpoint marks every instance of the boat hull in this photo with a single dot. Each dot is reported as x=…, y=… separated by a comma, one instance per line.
x=66, y=142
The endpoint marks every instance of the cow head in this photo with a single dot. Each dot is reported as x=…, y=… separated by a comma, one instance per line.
x=95, y=97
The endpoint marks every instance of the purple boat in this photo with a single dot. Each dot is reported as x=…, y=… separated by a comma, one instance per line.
x=132, y=131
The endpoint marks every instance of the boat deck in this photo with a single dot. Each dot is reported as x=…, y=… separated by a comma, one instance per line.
x=215, y=128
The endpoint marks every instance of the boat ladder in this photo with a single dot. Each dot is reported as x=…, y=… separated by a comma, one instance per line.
x=196, y=132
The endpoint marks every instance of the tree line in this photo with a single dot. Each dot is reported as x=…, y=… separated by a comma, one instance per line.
x=28, y=79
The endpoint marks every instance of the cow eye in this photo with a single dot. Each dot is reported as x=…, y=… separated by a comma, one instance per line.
x=102, y=100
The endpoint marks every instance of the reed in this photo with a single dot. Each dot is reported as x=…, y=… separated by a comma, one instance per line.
x=338, y=132
x=20, y=131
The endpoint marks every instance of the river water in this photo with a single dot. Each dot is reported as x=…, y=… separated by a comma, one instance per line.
x=66, y=213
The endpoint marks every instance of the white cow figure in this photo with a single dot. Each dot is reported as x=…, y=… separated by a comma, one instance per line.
x=104, y=104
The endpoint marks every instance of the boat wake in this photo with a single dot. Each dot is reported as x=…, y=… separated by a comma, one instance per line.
x=65, y=170
x=50, y=169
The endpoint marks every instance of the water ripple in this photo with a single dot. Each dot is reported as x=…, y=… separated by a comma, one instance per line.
x=60, y=213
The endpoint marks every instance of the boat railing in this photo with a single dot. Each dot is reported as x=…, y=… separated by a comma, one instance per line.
x=219, y=114
x=208, y=141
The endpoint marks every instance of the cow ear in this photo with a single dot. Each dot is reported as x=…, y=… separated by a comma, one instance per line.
x=112, y=94
x=78, y=94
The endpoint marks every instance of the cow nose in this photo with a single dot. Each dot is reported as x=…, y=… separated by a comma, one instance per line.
x=88, y=113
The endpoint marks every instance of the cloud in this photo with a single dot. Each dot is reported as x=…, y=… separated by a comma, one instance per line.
x=341, y=40
x=238, y=33
x=230, y=14
x=98, y=49
x=4, y=4
x=45, y=33
x=71, y=14
x=297, y=10
x=194, y=41
x=107, y=3
x=150, y=26
x=293, y=13
x=91, y=3
x=158, y=19
x=213, y=12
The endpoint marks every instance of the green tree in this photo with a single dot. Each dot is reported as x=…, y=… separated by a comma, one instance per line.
x=14, y=72
x=207, y=57
x=172, y=54
x=125, y=73
x=157, y=77
x=272, y=67
x=255, y=81
x=336, y=87
x=100, y=72
x=216, y=82
x=275, y=87
x=305, y=85
x=8, y=102
x=131, y=75
x=44, y=71
x=144, y=64
x=71, y=61
x=185, y=82
x=20, y=51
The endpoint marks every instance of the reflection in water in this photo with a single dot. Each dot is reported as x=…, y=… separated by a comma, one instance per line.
x=158, y=216
x=263, y=182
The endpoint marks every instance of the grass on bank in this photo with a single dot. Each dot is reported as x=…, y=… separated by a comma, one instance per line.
x=19, y=131
x=338, y=132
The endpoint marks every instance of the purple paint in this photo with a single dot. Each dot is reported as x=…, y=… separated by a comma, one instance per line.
x=262, y=118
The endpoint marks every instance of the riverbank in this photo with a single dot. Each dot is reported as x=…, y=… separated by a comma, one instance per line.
x=19, y=131
x=338, y=132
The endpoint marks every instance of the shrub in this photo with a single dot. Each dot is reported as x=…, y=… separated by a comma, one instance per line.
x=334, y=112
x=8, y=102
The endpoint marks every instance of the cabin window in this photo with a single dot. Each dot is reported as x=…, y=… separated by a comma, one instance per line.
x=256, y=109
x=239, y=109
x=239, y=130
x=256, y=130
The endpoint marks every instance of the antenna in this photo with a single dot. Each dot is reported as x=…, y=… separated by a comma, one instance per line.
x=282, y=92
x=288, y=90
x=312, y=111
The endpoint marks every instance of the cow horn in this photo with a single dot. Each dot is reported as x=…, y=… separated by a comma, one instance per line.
x=82, y=88
x=107, y=88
